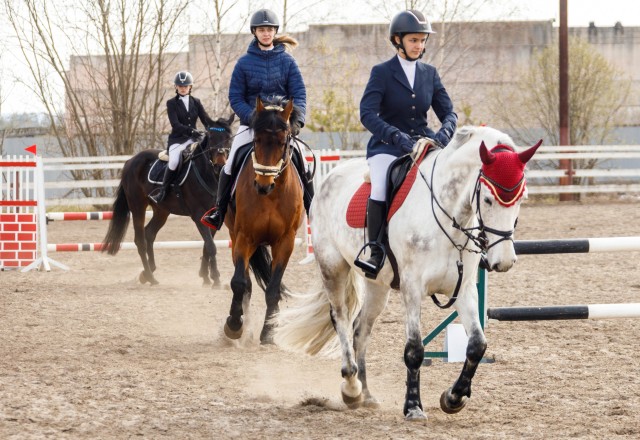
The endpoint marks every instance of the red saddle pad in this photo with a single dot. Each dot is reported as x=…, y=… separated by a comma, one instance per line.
x=357, y=210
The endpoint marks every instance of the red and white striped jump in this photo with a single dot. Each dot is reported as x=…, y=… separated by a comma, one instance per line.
x=127, y=246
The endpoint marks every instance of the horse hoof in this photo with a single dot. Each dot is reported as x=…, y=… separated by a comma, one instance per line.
x=447, y=406
x=371, y=403
x=352, y=395
x=142, y=278
x=415, y=415
x=232, y=334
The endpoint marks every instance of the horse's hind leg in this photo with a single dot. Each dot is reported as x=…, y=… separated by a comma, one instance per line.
x=151, y=231
x=209, y=265
x=375, y=300
x=455, y=398
x=138, y=218
x=338, y=282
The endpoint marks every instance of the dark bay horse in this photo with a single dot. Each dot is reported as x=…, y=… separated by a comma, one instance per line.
x=268, y=211
x=192, y=198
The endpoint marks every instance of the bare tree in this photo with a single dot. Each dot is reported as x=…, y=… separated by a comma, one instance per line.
x=597, y=92
x=336, y=110
x=110, y=58
x=220, y=50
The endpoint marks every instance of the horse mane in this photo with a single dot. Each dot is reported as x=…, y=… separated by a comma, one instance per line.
x=269, y=119
x=225, y=123
x=490, y=136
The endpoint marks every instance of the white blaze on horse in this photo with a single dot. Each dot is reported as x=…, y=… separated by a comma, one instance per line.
x=462, y=207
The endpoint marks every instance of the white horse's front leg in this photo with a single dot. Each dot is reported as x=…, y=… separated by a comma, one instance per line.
x=413, y=351
x=455, y=398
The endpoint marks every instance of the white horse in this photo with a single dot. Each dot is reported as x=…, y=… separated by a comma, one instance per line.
x=438, y=237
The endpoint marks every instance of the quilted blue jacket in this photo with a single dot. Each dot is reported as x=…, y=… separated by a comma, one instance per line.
x=265, y=73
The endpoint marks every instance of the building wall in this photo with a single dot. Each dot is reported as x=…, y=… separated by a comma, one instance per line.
x=474, y=60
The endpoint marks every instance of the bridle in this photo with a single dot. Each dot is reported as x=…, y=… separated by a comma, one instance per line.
x=274, y=170
x=476, y=234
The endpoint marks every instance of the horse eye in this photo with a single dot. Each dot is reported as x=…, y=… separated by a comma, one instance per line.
x=488, y=201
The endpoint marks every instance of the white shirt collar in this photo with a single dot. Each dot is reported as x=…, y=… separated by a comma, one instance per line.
x=409, y=68
x=185, y=99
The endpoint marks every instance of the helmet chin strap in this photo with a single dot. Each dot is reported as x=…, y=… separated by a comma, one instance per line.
x=406, y=55
x=404, y=51
x=260, y=43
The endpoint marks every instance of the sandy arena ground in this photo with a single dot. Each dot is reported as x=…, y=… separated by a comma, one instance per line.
x=91, y=353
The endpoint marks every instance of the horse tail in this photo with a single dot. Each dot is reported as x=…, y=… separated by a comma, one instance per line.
x=118, y=224
x=260, y=263
x=307, y=325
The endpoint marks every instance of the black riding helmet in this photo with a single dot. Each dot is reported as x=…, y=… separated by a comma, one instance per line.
x=264, y=17
x=183, y=78
x=408, y=22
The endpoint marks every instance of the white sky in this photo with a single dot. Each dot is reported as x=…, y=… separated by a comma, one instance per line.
x=17, y=99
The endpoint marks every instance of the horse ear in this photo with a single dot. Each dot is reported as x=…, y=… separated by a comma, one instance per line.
x=527, y=154
x=486, y=156
x=287, y=110
x=231, y=118
x=259, y=105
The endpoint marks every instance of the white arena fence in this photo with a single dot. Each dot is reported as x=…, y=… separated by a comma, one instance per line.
x=542, y=170
x=618, y=171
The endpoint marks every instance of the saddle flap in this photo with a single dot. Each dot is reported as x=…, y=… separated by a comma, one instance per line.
x=156, y=172
x=400, y=178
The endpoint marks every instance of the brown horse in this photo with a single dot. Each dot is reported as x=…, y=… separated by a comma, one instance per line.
x=191, y=199
x=268, y=211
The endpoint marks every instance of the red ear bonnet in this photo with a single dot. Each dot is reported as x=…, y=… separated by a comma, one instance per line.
x=503, y=171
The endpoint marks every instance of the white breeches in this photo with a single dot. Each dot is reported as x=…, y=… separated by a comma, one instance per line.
x=378, y=166
x=174, y=154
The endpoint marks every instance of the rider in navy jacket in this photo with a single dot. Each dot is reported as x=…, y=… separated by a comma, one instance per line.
x=394, y=109
x=390, y=104
x=266, y=70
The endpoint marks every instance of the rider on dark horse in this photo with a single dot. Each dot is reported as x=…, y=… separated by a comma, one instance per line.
x=267, y=69
x=183, y=111
x=394, y=109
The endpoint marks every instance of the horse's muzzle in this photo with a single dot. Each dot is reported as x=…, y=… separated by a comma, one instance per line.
x=264, y=189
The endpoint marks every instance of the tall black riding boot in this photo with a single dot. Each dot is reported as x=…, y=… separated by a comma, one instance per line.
x=376, y=220
x=215, y=219
x=309, y=192
x=164, y=189
x=305, y=177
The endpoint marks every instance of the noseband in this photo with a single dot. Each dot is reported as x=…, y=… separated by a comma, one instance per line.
x=273, y=170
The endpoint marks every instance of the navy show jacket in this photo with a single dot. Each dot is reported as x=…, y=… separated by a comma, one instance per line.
x=390, y=104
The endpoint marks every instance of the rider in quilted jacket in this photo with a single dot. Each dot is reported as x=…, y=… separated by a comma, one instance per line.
x=267, y=69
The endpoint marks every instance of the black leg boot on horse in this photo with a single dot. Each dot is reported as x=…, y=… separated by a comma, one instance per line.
x=216, y=218
x=376, y=228
x=159, y=196
x=306, y=177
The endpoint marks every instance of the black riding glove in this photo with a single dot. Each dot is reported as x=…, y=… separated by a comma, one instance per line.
x=403, y=141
